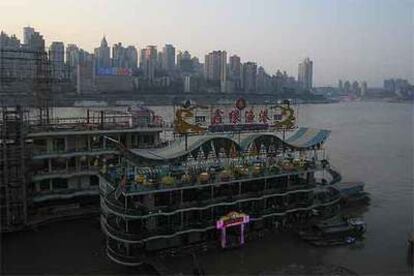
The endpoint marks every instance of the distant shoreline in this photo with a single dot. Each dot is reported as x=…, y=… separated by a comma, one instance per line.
x=158, y=99
x=124, y=99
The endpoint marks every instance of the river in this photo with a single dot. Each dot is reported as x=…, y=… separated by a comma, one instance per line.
x=370, y=142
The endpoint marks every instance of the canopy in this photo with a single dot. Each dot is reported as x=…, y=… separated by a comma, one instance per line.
x=303, y=138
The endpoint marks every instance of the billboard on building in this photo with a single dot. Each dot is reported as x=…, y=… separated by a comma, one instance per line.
x=114, y=71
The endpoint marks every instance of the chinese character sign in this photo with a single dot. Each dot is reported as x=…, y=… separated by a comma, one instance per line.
x=234, y=116
x=264, y=116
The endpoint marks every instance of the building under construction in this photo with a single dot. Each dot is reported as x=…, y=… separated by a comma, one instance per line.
x=48, y=165
x=13, y=173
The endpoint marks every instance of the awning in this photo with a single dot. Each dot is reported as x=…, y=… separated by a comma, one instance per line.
x=308, y=137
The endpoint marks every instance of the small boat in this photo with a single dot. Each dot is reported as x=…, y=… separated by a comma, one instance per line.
x=336, y=231
x=352, y=193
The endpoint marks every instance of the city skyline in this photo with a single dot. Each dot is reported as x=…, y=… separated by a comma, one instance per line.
x=346, y=39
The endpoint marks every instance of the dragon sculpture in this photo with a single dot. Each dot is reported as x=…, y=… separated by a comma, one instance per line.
x=182, y=126
x=287, y=120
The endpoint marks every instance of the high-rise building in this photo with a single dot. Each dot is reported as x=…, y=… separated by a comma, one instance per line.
x=9, y=42
x=215, y=68
x=36, y=42
x=148, y=62
x=340, y=85
x=305, y=74
x=72, y=55
x=187, y=83
x=364, y=88
x=57, y=59
x=196, y=66
x=102, y=55
x=355, y=88
x=185, y=62
x=249, y=81
x=27, y=34
x=76, y=57
x=235, y=71
x=168, y=58
x=132, y=57
x=264, y=82
x=119, y=58
x=347, y=86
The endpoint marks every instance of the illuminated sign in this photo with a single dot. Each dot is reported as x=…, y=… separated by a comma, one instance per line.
x=232, y=219
x=114, y=71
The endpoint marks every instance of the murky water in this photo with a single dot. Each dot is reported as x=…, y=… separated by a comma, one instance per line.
x=370, y=142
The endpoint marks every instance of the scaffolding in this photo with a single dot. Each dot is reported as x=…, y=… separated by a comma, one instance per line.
x=22, y=70
x=13, y=169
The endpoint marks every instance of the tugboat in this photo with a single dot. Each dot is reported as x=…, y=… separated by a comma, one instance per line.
x=336, y=231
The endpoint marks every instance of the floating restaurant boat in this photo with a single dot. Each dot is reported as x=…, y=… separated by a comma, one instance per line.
x=222, y=184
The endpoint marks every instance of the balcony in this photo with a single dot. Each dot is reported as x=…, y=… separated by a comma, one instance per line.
x=117, y=231
x=117, y=207
x=65, y=194
x=134, y=187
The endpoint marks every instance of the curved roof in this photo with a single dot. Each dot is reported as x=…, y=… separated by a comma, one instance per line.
x=178, y=148
x=303, y=138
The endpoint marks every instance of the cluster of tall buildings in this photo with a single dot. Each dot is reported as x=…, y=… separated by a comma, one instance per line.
x=355, y=88
x=150, y=68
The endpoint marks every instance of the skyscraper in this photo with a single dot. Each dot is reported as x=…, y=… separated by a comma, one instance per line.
x=184, y=62
x=132, y=57
x=36, y=42
x=249, y=77
x=305, y=74
x=340, y=85
x=215, y=68
x=263, y=80
x=168, y=58
x=102, y=55
x=72, y=55
x=235, y=71
x=27, y=34
x=57, y=59
x=364, y=88
x=148, y=62
x=119, y=56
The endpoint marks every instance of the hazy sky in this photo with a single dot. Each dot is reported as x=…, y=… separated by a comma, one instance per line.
x=348, y=39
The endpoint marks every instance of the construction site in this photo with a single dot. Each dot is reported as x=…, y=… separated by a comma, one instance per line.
x=48, y=164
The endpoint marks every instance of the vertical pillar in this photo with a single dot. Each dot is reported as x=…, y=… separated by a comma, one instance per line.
x=242, y=234
x=223, y=237
x=66, y=143
x=49, y=163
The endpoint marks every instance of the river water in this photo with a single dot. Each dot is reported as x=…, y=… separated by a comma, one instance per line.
x=370, y=142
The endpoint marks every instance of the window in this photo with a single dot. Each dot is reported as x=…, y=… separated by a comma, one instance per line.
x=44, y=185
x=93, y=180
x=59, y=183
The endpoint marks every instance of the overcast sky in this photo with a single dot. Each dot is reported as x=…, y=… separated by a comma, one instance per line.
x=346, y=39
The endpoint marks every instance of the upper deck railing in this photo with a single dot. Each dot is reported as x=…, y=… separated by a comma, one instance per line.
x=188, y=178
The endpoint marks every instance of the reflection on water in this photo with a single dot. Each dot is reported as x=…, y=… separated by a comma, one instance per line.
x=370, y=142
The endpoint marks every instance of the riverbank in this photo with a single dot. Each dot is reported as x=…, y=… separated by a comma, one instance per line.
x=154, y=99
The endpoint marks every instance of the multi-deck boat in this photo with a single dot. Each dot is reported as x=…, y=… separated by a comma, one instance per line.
x=216, y=189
